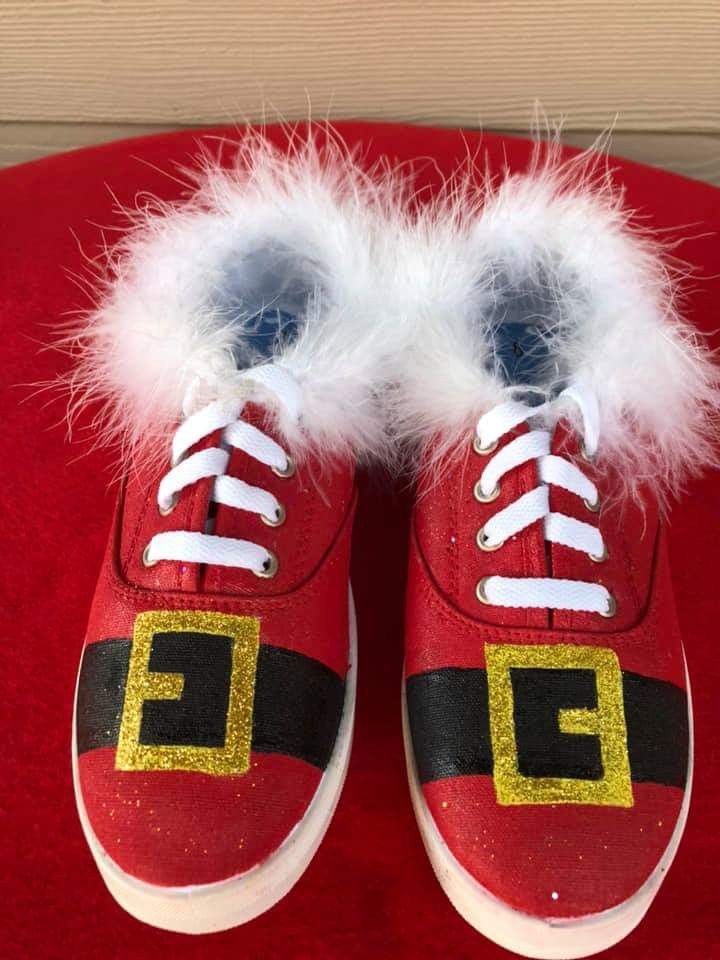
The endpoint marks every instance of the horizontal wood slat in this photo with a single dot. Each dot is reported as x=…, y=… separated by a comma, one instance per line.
x=694, y=155
x=654, y=63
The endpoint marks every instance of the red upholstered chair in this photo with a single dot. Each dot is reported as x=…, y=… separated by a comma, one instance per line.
x=370, y=891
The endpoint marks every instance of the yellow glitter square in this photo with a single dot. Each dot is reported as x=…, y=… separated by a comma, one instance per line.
x=606, y=721
x=143, y=684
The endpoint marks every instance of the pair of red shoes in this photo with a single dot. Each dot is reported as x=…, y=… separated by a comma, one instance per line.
x=252, y=344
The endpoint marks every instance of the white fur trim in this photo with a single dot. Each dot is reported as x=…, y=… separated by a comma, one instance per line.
x=165, y=334
x=615, y=324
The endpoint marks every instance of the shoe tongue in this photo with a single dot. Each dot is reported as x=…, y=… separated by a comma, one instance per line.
x=523, y=322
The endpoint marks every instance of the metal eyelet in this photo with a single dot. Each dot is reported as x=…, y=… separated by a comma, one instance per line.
x=147, y=562
x=278, y=520
x=483, y=451
x=481, y=541
x=611, y=607
x=269, y=568
x=287, y=471
x=481, y=497
x=480, y=591
x=593, y=507
x=164, y=511
x=599, y=559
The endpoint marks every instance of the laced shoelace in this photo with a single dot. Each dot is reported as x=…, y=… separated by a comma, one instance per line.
x=194, y=547
x=540, y=592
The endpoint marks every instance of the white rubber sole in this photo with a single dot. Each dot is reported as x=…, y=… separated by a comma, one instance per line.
x=538, y=938
x=229, y=903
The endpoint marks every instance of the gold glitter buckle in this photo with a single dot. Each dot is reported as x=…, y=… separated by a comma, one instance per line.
x=143, y=684
x=606, y=722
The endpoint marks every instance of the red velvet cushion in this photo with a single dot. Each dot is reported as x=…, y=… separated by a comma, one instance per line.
x=370, y=891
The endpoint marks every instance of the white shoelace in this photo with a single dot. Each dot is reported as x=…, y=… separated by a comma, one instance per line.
x=540, y=592
x=192, y=547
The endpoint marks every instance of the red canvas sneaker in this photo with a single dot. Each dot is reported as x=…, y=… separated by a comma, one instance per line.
x=235, y=349
x=558, y=399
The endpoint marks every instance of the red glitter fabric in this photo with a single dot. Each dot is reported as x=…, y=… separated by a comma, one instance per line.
x=370, y=891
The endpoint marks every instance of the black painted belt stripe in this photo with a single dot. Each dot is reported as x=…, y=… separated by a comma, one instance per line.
x=297, y=709
x=449, y=724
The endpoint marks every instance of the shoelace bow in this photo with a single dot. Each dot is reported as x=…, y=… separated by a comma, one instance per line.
x=192, y=547
x=540, y=592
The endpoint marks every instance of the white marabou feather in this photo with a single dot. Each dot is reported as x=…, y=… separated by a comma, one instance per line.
x=168, y=332
x=614, y=322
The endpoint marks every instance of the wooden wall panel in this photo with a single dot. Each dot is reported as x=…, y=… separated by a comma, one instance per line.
x=654, y=63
